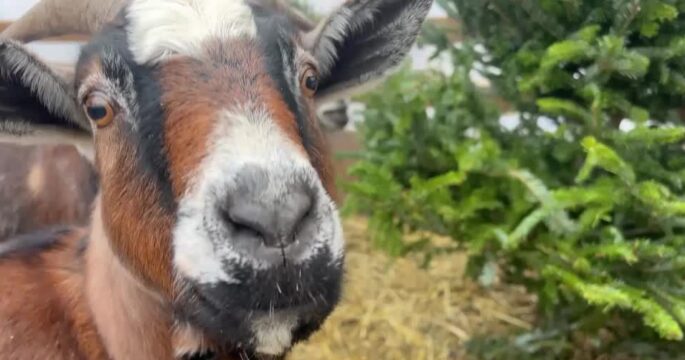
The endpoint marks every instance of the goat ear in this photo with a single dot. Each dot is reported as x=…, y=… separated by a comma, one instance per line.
x=363, y=41
x=38, y=106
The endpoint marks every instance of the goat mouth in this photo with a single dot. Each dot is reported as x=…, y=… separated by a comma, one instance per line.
x=296, y=300
x=235, y=332
x=217, y=353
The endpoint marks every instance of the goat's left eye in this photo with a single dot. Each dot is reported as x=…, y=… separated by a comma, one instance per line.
x=99, y=109
x=310, y=81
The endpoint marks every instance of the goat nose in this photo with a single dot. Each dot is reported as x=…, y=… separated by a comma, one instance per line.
x=275, y=223
x=257, y=214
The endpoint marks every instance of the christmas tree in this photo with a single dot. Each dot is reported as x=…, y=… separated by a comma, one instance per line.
x=581, y=201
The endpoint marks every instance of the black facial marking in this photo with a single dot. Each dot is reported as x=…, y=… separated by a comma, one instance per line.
x=209, y=355
x=151, y=132
x=140, y=86
x=276, y=38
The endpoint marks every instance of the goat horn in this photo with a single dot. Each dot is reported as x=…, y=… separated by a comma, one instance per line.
x=285, y=7
x=62, y=17
x=300, y=19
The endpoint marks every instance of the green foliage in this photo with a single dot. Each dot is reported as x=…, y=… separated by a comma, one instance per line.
x=589, y=217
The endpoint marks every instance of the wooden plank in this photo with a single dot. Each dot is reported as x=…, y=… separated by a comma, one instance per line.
x=67, y=38
x=343, y=142
x=451, y=27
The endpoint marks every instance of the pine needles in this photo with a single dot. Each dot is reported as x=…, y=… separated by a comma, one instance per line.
x=588, y=212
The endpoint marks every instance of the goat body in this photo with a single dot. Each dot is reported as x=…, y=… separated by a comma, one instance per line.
x=48, y=318
x=43, y=186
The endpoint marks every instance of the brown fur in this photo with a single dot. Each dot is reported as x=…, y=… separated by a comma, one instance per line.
x=43, y=186
x=84, y=304
x=44, y=314
x=138, y=226
x=280, y=112
x=185, y=146
x=195, y=91
x=133, y=320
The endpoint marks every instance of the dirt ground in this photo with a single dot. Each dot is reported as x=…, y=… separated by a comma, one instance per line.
x=394, y=309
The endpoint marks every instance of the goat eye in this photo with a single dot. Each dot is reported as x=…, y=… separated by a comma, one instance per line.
x=310, y=81
x=99, y=109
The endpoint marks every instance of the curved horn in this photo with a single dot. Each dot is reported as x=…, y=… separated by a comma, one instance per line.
x=299, y=19
x=61, y=17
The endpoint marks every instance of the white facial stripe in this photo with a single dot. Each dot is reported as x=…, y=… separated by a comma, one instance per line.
x=337, y=242
x=159, y=28
x=241, y=139
x=194, y=255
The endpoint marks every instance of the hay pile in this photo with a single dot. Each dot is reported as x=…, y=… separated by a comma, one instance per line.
x=394, y=309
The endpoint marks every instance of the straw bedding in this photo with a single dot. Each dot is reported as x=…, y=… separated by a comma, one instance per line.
x=394, y=309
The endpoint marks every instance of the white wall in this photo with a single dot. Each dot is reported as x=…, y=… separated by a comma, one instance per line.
x=10, y=9
x=55, y=52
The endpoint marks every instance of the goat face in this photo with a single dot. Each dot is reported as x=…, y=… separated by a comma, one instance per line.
x=216, y=188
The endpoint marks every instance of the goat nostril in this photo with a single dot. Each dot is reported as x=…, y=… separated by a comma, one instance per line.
x=245, y=227
x=300, y=224
x=260, y=222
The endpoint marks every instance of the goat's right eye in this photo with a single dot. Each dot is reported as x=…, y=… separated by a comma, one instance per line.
x=99, y=109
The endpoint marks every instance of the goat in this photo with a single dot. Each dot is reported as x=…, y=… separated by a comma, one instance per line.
x=43, y=186
x=214, y=230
